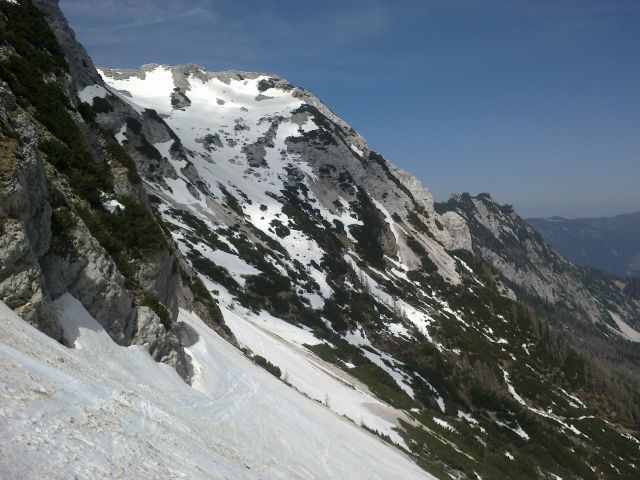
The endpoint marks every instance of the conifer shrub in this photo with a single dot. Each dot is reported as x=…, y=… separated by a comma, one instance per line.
x=148, y=150
x=102, y=105
x=86, y=112
x=134, y=125
x=129, y=234
x=85, y=176
x=216, y=273
x=151, y=301
x=267, y=365
x=369, y=233
x=121, y=156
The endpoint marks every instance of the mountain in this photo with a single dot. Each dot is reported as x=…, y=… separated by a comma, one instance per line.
x=313, y=312
x=609, y=244
x=536, y=272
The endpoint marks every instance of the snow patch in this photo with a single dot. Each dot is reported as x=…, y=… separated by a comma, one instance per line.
x=626, y=329
x=444, y=424
x=314, y=377
x=87, y=94
x=111, y=205
x=359, y=152
x=121, y=135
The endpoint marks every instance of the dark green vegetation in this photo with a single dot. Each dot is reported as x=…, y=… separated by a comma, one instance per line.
x=129, y=234
x=458, y=362
x=151, y=301
x=267, y=365
x=321, y=137
x=472, y=382
x=380, y=382
x=464, y=350
x=610, y=365
x=38, y=57
x=85, y=175
x=265, y=84
x=368, y=234
x=120, y=155
x=102, y=105
x=147, y=149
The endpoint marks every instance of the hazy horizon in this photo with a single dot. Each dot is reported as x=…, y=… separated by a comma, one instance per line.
x=536, y=103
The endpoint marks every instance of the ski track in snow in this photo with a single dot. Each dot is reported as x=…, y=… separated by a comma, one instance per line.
x=105, y=411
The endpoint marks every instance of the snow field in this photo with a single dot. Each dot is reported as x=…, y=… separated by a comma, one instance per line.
x=104, y=411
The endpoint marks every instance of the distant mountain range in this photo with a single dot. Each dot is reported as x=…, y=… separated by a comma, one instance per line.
x=611, y=244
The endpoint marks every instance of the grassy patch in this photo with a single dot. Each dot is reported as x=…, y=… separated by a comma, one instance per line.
x=8, y=154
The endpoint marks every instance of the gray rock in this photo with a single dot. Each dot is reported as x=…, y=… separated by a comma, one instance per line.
x=148, y=326
x=82, y=68
x=90, y=275
x=25, y=222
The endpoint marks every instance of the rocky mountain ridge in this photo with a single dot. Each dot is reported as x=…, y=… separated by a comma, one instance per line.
x=451, y=330
x=531, y=266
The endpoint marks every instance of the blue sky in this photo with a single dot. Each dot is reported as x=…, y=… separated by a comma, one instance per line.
x=537, y=102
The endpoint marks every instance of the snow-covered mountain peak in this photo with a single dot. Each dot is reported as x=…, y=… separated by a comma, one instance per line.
x=165, y=88
x=252, y=137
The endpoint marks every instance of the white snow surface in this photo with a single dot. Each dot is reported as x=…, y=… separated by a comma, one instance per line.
x=111, y=205
x=105, y=411
x=121, y=135
x=444, y=424
x=627, y=331
x=357, y=150
x=87, y=94
x=282, y=344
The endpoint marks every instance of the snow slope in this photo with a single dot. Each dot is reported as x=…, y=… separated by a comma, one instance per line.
x=105, y=411
x=312, y=376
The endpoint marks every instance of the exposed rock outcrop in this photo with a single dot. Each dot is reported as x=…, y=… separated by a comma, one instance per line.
x=54, y=236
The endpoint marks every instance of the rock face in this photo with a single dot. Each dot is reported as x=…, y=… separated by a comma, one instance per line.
x=530, y=266
x=25, y=225
x=81, y=68
x=22, y=284
x=93, y=278
x=56, y=237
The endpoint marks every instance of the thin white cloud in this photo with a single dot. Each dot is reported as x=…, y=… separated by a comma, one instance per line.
x=124, y=14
